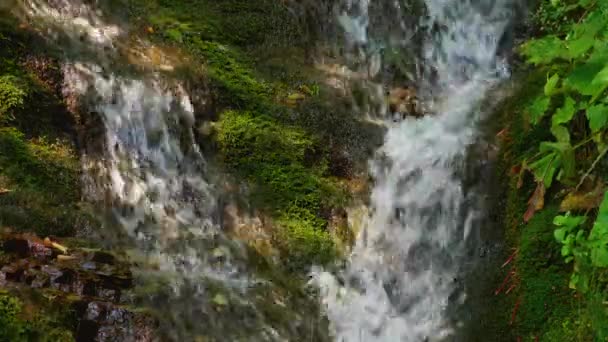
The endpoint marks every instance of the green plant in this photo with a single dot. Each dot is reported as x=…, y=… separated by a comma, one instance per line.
x=573, y=107
x=585, y=249
x=12, y=327
x=575, y=87
x=12, y=95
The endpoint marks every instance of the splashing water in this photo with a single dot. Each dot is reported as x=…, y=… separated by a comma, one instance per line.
x=152, y=177
x=403, y=273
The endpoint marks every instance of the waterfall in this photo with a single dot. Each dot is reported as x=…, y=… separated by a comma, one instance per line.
x=404, y=273
x=151, y=180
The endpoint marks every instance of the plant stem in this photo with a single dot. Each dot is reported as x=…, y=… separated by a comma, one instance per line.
x=597, y=160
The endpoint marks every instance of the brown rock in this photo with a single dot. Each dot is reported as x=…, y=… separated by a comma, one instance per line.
x=403, y=101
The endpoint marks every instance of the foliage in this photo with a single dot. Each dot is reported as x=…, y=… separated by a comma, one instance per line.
x=574, y=106
x=585, y=249
x=11, y=326
x=15, y=327
x=12, y=95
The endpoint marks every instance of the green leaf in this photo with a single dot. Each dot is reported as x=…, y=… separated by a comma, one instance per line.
x=565, y=158
x=551, y=84
x=598, y=117
x=544, y=50
x=599, y=256
x=568, y=221
x=581, y=78
x=560, y=234
x=545, y=168
x=601, y=79
x=580, y=46
x=538, y=108
x=565, y=113
x=600, y=227
x=561, y=133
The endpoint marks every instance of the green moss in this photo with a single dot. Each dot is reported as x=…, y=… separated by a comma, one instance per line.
x=237, y=22
x=43, y=183
x=235, y=83
x=301, y=240
x=41, y=326
x=283, y=162
x=546, y=298
x=39, y=165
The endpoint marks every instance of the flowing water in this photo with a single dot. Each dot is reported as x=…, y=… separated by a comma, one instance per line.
x=404, y=275
x=151, y=180
x=401, y=279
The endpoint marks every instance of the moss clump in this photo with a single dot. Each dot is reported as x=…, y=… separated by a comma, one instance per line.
x=15, y=326
x=235, y=83
x=546, y=298
x=285, y=165
x=302, y=240
x=237, y=22
x=43, y=183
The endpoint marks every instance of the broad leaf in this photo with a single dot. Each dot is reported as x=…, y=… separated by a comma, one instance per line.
x=599, y=236
x=583, y=200
x=551, y=84
x=544, y=50
x=581, y=78
x=584, y=34
x=545, y=168
x=564, y=158
x=565, y=113
x=561, y=133
x=601, y=81
x=568, y=221
x=538, y=108
x=536, y=202
x=598, y=117
x=580, y=46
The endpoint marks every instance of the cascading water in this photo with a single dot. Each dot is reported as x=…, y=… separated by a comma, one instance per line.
x=401, y=277
x=403, y=274
x=151, y=177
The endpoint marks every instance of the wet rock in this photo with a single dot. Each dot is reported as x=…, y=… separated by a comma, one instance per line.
x=403, y=101
x=26, y=247
x=103, y=258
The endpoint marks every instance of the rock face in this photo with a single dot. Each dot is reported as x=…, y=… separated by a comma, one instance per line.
x=403, y=102
x=93, y=284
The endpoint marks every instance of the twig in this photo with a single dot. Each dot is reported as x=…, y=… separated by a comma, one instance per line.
x=510, y=258
x=597, y=160
x=514, y=313
x=504, y=283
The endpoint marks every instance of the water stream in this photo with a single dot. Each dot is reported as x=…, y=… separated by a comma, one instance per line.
x=403, y=275
x=405, y=272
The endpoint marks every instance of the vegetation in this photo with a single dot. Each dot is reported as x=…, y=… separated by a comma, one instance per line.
x=16, y=325
x=263, y=134
x=39, y=167
x=556, y=202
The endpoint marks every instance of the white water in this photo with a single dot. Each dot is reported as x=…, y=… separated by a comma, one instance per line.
x=151, y=177
x=401, y=277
